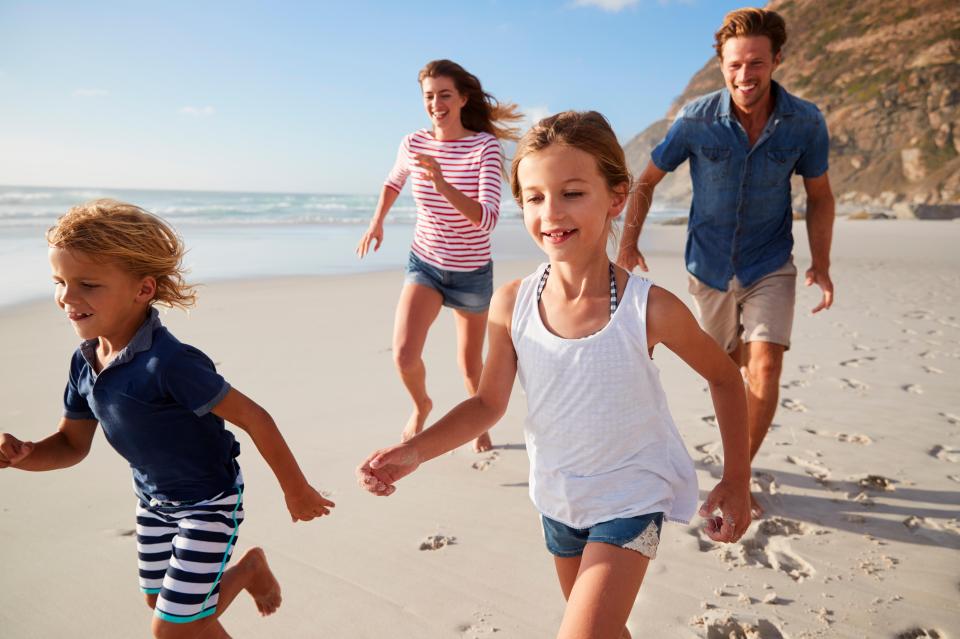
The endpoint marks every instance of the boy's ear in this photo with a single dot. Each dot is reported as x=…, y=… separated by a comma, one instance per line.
x=148, y=289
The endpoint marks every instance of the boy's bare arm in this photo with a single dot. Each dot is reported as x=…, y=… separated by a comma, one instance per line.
x=303, y=501
x=67, y=447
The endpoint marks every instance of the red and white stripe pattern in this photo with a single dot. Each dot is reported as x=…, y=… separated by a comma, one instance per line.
x=444, y=237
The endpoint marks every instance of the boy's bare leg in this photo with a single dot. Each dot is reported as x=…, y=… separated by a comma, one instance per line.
x=251, y=573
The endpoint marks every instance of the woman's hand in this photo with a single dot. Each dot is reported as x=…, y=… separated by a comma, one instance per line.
x=374, y=233
x=432, y=171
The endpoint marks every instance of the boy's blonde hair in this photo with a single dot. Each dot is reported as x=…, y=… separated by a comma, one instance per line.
x=588, y=131
x=137, y=241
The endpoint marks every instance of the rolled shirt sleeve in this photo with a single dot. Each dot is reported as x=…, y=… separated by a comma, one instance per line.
x=673, y=150
x=814, y=161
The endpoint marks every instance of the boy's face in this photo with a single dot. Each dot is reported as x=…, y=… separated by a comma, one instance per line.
x=99, y=298
x=567, y=205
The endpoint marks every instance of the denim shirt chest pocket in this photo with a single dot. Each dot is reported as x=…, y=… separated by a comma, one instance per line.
x=777, y=166
x=716, y=163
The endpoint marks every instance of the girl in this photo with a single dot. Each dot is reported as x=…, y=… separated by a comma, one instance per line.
x=456, y=166
x=162, y=406
x=606, y=461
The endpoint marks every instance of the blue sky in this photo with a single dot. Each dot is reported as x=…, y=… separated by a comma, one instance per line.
x=308, y=96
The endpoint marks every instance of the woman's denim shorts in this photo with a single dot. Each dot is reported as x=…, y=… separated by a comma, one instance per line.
x=641, y=533
x=468, y=291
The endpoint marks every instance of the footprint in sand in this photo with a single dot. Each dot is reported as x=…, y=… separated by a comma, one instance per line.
x=704, y=543
x=709, y=420
x=812, y=467
x=795, y=383
x=770, y=547
x=793, y=404
x=912, y=388
x=807, y=368
x=852, y=438
x=726, y=626
x=950, y=417
x=853, y=384
x=712, y=453
x=480, y=627
x=877, y=483
x=486, y=462
x=932, y=370
x=764, y=483
x=955, y=478
x=857, y=362
x=436, y=542
x=946, y=453
x=921, y=633
x=862, y=347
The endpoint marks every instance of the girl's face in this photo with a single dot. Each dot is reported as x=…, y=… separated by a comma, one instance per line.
x=567, y=205
x=99, y=298
x=442, y=101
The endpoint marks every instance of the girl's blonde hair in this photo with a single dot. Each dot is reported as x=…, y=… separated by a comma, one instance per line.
x=137, y=241
x=482, y=112
x=588, y=131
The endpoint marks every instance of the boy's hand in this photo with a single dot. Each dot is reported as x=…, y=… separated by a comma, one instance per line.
x=383, y=468
x=733, y=500
x=12, y=450
x=307, y=504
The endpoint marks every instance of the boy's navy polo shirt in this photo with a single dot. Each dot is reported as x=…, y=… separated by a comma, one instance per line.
x=741, y=216
x=153, y=402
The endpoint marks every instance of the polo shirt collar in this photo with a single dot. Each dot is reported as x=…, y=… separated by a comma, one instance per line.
x=142, y=340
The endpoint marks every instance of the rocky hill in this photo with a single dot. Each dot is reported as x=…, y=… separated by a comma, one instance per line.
x=886, y=74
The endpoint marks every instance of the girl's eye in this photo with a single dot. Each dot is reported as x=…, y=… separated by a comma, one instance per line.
x=573, y=194
x=86, y=285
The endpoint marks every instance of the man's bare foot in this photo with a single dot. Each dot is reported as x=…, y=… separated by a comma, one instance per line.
x=263, y=586
x=482, y=443
x=756, y=510
x=417, y=419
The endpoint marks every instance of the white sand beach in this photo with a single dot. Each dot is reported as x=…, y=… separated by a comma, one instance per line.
x=860, y=473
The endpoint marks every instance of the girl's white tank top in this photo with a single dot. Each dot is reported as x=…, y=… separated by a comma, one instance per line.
x=599, y=434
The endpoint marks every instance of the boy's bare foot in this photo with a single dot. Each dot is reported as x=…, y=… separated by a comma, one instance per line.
x=417, y=419
x=263, y=586
x=482, y=443
x=756, y=510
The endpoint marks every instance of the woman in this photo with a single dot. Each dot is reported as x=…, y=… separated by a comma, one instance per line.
x=456, y=167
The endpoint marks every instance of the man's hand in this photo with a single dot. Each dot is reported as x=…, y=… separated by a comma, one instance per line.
x=12, y=450
x=821, y=277
x=630, y=257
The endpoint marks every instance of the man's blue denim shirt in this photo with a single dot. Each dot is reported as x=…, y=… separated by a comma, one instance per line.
x=741, y=216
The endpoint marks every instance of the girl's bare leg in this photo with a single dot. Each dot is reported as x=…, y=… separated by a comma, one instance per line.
x=604, y=587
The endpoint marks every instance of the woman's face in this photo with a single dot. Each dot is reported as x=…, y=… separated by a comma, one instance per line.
x=442, y=101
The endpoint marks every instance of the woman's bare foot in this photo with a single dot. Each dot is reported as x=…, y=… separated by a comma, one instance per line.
x=262, y=586
x=482, y=443
x=756, y=510
x=417, y=419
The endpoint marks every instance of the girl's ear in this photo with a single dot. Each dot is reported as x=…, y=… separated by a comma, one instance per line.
x=148, y=289
x=618, y=200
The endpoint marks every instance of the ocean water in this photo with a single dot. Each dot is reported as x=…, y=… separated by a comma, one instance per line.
x=235, y=235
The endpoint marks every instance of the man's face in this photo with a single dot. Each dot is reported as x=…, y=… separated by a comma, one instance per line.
x=748, y=64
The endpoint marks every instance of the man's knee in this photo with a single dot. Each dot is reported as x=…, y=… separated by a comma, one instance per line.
x=765, y=362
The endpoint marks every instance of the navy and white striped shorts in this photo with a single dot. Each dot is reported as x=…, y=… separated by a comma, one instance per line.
x=183, y=550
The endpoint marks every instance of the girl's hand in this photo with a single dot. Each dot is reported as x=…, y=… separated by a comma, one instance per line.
x=432, y=171
x=373, y=234
x=12, y=450
x=307, y=503
x=733, y=500
x=382, y=469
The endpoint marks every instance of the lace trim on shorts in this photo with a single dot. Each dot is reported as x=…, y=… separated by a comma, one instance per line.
x=646, y=542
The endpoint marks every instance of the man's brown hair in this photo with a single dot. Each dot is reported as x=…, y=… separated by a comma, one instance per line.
x=750, y=21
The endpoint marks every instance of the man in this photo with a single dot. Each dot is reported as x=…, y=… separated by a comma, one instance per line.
x=743, y=143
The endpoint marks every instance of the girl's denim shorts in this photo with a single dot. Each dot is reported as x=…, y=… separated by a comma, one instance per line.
x=468, y=291
x=641, y=534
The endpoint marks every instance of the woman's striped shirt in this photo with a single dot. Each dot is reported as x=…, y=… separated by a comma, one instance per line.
x=444, y=237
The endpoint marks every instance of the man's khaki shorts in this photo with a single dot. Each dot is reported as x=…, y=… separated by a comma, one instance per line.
x=762, y=312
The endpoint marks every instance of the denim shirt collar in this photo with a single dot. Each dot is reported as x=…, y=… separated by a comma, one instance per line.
x=782, y=102
x=141, y=341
